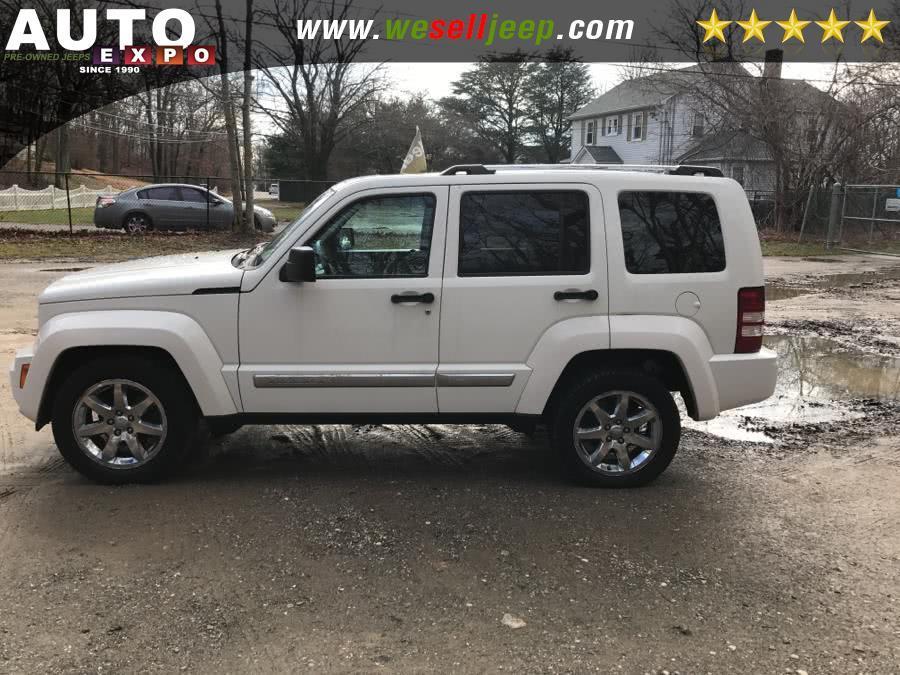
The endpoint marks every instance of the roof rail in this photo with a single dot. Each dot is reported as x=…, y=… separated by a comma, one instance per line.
x=673, y=169
x=468, y=169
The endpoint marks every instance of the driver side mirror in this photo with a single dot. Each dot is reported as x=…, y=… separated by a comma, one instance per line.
x=301, y=265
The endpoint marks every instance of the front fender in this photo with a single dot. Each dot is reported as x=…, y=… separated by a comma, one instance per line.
x=177, y=334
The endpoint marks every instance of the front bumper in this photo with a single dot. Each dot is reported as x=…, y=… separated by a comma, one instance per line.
x=266, y=223
x=744, y=378
x=28, y=398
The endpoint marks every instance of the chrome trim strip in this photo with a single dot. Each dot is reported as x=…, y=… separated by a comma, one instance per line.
x=475, y=379
x=343, y=380
x=312, y=380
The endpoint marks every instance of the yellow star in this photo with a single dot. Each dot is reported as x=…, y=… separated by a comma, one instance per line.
x=753, y=28
x=872, y=27
x=793, y=28
x=713, y=27
x=832, y=28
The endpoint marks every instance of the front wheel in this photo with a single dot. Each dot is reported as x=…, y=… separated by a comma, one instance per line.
x=616, y=429
x=124, y=419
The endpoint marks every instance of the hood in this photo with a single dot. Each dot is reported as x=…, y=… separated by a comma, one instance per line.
x=180, y=274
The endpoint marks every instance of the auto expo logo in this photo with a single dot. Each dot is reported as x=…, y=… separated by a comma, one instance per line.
x=28, y=40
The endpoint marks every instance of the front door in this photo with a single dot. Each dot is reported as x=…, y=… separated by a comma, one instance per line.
x=521, y=260
x=362, y=338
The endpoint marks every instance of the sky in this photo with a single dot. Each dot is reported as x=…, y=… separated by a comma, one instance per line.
x=435, y=79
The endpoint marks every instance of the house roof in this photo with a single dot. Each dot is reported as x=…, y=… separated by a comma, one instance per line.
x=647, y=91
x=603, y=154
x=729, y=144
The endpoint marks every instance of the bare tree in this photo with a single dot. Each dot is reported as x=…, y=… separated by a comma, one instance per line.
x=249, y=217
x=322, y=91
x=234, y=160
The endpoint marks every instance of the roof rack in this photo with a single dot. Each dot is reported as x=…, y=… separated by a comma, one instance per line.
x=468, y=169
x=671, y=169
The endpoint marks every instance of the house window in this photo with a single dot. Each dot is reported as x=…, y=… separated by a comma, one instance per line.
x=590, y=133
x=612, y=126
x=737, y=172
x=697, y=127
x=638, y=126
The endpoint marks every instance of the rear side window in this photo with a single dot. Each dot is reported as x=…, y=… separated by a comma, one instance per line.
x=166, y=192
x=671, y=233
x=523, y=233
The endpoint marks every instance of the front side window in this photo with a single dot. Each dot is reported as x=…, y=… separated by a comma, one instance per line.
x=671, y=232
x=193, y=195
x=384, y=236
x=524, y=233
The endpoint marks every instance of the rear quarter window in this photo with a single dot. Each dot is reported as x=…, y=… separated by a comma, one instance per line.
x=671, y=232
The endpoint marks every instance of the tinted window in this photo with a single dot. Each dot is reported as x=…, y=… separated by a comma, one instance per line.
x=386, y=236
x=193, y=195
x=523, y=232
x=168, y=192
x=671, y=232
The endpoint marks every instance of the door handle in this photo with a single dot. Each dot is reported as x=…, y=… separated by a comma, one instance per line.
x=574, y=294
x=399, y=298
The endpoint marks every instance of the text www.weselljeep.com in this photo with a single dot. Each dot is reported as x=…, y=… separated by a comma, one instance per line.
x=475, y=27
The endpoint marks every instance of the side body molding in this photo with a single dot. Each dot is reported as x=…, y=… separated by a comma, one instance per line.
x=178, y=334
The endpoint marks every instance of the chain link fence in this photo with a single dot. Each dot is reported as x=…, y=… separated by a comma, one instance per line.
x=47, y=201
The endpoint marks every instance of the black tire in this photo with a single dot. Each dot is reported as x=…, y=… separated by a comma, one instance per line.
x=580, y=392
x=137, y=215
x=155, y=375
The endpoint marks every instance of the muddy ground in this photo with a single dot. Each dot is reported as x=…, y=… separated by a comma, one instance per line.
x=771, y=545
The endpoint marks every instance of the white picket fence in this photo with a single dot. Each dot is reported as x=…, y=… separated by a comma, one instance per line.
x=16, y=198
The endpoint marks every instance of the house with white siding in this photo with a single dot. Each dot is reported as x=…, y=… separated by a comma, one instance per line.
x=655, y=120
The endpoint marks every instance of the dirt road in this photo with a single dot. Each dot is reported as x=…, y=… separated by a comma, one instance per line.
x=363, y=549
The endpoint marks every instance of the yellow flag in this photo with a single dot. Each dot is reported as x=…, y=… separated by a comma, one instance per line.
x=414, y=162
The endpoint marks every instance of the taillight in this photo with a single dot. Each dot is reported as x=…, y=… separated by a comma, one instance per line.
x=105, y=201
x=751, y=316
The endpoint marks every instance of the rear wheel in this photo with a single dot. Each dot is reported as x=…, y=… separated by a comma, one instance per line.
x=137, y=223
x=616, y=429
x=122, y=420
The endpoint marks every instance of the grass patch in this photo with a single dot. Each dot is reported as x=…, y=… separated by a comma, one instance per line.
x=95, y=246
x=785, y=244
x=80, y=216
x=283, y=210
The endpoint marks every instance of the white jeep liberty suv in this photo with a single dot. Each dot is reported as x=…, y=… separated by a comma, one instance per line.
x=575, y=297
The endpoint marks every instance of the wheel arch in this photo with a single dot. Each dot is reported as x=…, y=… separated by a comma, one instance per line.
x=72, y=358
x=660, y=364
x=178, y=339
x=671, y=346
x=137, y=211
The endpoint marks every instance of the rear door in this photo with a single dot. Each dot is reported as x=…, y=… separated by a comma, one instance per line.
x=519, y=259
x=163, y=204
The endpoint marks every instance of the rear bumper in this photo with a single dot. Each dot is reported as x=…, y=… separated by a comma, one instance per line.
x=107, y=217
x=744, y=378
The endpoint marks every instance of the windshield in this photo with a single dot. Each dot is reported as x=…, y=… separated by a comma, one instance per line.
x=262, y=253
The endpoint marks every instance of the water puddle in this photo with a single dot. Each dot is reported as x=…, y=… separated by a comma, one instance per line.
x=776, y=292
x=816, y=379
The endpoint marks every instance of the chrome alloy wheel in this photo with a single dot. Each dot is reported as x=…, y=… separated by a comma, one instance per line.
x=617, y=432
x=119, y=423
x=136, y=224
